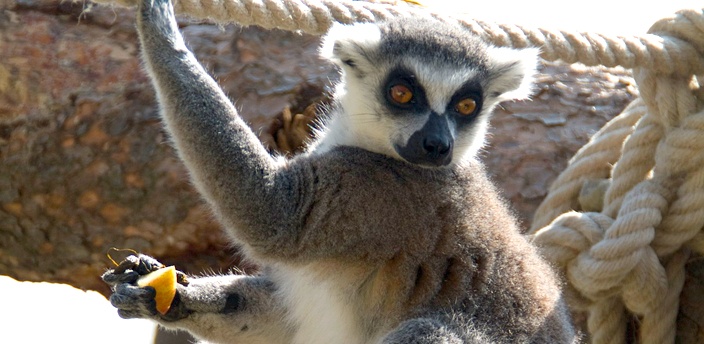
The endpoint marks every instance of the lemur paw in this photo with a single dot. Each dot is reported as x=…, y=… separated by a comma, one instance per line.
x=160, y=8
x=133, y=301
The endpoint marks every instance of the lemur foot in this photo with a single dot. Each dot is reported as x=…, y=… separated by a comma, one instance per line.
x=133, y=301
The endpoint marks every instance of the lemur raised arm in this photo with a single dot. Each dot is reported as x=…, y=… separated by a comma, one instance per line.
x=386, y=230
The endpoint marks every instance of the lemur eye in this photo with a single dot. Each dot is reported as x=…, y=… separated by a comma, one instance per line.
x=401, y=94
x=466, y=106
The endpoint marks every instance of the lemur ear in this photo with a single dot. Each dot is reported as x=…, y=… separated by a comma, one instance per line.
x=347, y=45
x=512, y=72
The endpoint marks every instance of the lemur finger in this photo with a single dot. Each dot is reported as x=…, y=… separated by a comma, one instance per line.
x=127, y=264
x=182, y=278
x=147, y=264
x=140, y=309
x=124, y=302
x=127, y=296
x=113, y=278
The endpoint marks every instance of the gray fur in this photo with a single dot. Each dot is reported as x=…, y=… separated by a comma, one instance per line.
x=359, y=246
x=433, y=42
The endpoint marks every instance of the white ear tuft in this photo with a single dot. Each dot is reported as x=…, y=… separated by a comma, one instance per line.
x=343, y=44
x=512, y=72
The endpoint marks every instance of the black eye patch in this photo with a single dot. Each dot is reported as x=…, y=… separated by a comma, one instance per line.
x=470, y=89
x=412, y=101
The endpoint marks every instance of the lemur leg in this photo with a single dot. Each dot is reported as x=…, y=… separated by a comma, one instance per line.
x=227, y=309
x=253, y=196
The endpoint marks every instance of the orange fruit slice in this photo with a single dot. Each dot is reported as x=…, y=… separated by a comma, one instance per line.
x=164, y=282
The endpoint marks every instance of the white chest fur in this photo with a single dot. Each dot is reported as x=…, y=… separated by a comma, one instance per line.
x=321, y=306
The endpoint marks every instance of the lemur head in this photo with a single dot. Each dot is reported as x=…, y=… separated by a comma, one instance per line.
x=421, y=90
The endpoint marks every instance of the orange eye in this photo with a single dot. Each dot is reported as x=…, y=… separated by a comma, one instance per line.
x=466, y=106
x=400, y=94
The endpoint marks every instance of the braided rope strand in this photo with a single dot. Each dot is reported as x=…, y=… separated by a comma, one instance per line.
x=607, y=322
x=635, y=163
x=682, y=157
x=657, y=326
x=592, y=161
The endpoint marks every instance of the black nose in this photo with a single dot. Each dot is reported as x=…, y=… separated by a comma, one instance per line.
x=436, y=147
x=429, y=146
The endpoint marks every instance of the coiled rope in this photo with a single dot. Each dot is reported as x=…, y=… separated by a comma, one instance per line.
x=629, y=256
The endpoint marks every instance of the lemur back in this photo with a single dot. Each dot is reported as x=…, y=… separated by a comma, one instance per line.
x=386, y=231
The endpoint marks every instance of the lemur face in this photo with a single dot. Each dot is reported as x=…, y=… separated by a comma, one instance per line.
x=422, y=93
x=431, y=125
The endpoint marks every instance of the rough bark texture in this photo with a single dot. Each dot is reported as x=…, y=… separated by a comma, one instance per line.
x=85, y=165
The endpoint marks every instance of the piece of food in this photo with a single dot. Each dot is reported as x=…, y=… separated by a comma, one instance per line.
x=164, y=282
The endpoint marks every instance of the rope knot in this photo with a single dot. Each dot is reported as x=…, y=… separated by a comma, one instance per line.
x=623, y=262
x=680, y=157
x=685, y=30
x=563, y=240
x=670, y=86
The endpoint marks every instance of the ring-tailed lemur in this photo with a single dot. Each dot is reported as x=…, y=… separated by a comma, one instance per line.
x=386, y=230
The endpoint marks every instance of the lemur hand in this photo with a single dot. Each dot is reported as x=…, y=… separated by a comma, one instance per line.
x=158, y=13
x=133, y=301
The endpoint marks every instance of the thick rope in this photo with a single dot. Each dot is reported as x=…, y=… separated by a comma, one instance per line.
x=629, y=258
x=660, y=53
x=633, y=261
x=593, y=161
x=658, y=327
